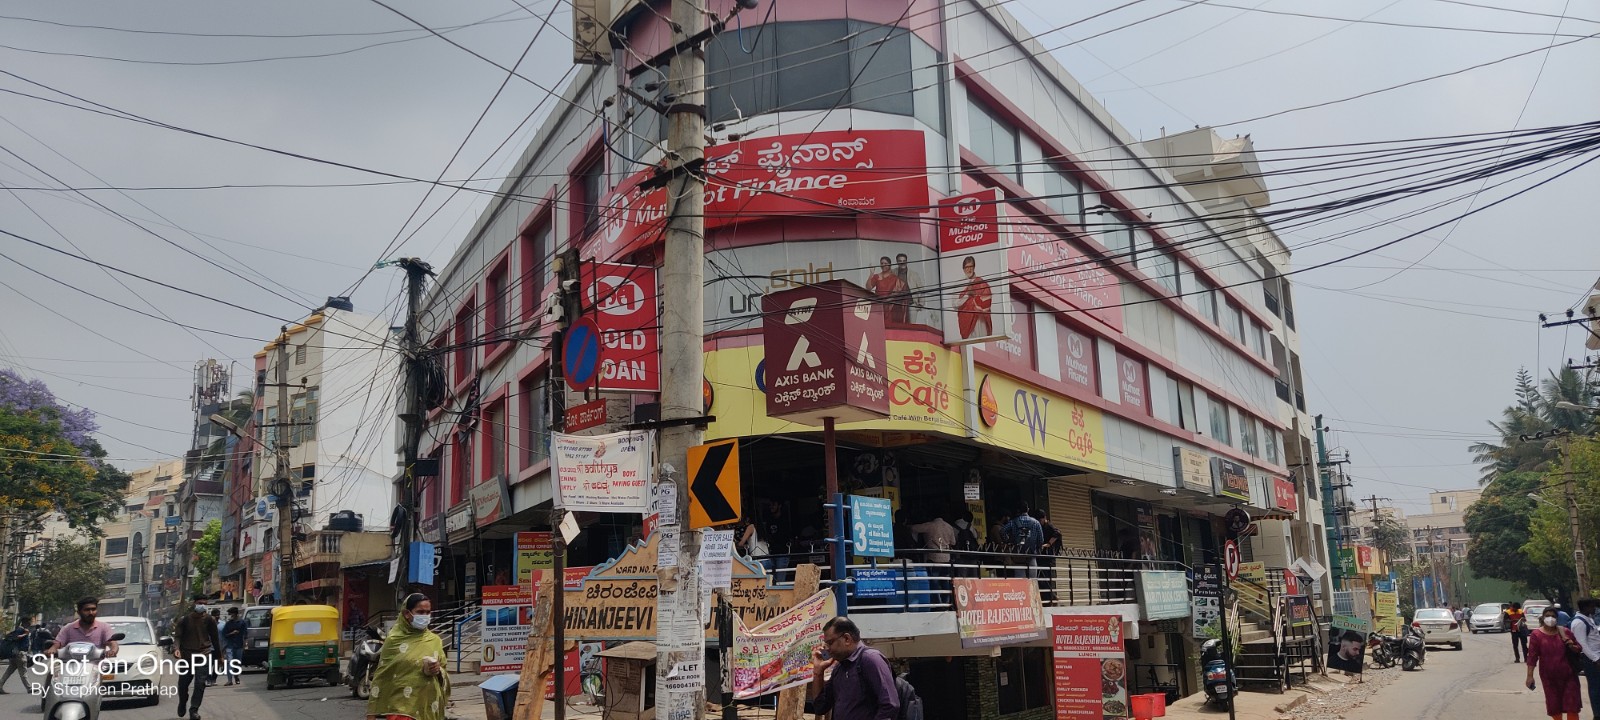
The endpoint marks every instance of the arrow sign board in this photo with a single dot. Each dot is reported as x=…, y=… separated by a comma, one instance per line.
x=1231, y=559
x=580, y=354
x=714, y=484
x=871, y=526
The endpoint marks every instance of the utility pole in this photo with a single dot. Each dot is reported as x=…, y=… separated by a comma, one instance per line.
x=282, y=486
x=1330, y=517
x=1579, y=557
x=683, y=349
x=405, y=489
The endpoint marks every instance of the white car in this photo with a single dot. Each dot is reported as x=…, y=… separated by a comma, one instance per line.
x=1488, y=617
x=1438, y=626
x=136, y=671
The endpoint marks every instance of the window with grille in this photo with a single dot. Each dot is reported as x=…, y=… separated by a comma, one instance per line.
x=300, y=354
x=534, y=432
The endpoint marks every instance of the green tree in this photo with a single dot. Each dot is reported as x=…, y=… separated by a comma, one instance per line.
x=59, y=573
x=53, y=463
x=1550, y=526
x=1392, y=537
x=206, y=553
x=1500, y=526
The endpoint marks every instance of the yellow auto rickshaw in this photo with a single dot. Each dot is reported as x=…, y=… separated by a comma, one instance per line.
x=303, y=643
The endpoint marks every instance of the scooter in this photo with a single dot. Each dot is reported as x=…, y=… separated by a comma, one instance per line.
x=1414, y=648
x=1386, y=649
x=74, y=692
x=1218, y=677
x=364, y=664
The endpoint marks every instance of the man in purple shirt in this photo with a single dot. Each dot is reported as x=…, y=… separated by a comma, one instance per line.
x=86, y=629
x=861, y=688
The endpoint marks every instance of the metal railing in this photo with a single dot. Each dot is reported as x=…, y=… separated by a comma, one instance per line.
x=919, y=580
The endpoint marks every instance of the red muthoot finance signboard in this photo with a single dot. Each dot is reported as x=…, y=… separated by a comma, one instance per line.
x=825, y=350
x=626, y=307
x=883, y=171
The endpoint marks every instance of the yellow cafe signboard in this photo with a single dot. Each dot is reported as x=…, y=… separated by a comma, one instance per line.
x=927, y=394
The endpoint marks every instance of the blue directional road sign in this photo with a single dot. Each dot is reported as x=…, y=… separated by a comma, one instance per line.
x=871, y=526
x=580, y=354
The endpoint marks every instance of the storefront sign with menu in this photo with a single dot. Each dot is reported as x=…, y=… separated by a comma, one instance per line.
x=998, y=611
x=803, y=174
x=1090, y=667
x=1207, y=601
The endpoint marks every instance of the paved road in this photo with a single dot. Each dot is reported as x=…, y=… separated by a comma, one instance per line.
x=250, y=701
x=1477, y=683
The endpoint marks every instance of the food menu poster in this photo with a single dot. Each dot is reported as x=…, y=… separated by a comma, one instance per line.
x=1091, y=667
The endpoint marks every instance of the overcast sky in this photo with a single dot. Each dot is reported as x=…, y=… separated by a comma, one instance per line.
x=1407, y=369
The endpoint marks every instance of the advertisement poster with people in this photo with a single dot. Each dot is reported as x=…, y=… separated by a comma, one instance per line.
x=507, y=615
x=973, y=267
x=1346, y=650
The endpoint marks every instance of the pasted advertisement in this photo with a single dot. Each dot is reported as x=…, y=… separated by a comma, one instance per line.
x=972, y=265
x=1366, y=559
x=1386, y=613
x=535, y=551
x=507, y=618
x=1090, y=666
x=617, y=600
x=777, y=654
x=1207, y=601
x=998, y=611
x=784, y=175
x=1042, y=259
x=901, y=277
x=626, y=306
x=603, y=473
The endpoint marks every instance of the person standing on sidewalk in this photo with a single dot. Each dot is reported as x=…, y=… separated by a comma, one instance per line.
x=1547, y=652
x=196, y=635
x=1517, y=626
x=1586, y=630
x=233, y=635
x=862, y=686
x=13, y=651
x=410, y=682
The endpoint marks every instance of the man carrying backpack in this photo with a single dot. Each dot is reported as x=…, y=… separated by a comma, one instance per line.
x=861, y=688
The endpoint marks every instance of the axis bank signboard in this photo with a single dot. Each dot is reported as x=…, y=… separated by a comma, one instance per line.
x=825, y=350
x=802, y=174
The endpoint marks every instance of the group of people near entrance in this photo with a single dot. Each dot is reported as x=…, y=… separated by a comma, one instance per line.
x=1559, y=646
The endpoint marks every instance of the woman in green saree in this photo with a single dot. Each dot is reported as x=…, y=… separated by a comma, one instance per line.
x=410, y=683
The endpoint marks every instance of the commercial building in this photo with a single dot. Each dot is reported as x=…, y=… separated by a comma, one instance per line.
x=140, y=540
x=1140, y=380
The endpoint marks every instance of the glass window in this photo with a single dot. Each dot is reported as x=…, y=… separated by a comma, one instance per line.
x=1061, y=194
x=1221, y=430
x=1272, y=440
x=738, y=84
x=1181, y=400
x=991, y=138
x=495, y=421
x=1022, y=679
x=879, y=56
x=535, y=398
x=1258, y=340
x=1116, y=236
x=927, y=93
x=590, y=186
x=1233, y=322
x=1205, y=298
x=1164, y=268
x=648, y=127
x=117, y=546
x=1248, y=438
x=499, y=291
x=813, y=72
x=537, y=247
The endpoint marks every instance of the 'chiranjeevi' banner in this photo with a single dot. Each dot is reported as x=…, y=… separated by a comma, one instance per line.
x=777, y=654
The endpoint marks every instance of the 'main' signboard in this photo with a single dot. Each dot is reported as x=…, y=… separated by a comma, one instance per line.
x=617, y=601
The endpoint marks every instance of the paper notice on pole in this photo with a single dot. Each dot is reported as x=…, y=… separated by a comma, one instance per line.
x=664, y=503
x=679, y=705
x=686, y=676
x=971, y=491
x=688, y=625
x=667, y=548
x=394, y=570
x=716, y=558
x=569, y=528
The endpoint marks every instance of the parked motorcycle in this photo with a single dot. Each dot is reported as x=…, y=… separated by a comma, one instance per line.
x=1218, y=677
x=1385, y=650
x=1414, y=648
x=73, y=693
x=364, y=664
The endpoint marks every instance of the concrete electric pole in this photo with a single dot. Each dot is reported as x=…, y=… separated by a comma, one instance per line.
x=405, y=490
x=282, y=486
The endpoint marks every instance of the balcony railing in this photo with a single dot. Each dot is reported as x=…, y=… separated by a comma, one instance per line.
x=919, y=580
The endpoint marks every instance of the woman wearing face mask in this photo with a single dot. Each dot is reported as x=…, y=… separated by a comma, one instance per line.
x=410, y=683
x=1547, y=651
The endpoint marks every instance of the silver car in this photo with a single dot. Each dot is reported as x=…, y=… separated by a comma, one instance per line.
x=136, y=671
x=1487, y=618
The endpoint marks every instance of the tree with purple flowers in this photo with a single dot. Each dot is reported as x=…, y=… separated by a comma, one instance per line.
x=49, y=459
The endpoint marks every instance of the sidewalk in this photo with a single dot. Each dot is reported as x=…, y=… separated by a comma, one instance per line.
x=1259, y=706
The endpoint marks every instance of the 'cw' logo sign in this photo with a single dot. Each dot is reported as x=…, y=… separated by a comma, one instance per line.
x=1030, y=410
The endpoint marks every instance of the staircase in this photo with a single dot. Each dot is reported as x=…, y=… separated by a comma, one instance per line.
x=1272, y=652
x=463, y=623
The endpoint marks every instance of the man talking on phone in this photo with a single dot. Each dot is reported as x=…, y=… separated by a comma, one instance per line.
x=861, y=688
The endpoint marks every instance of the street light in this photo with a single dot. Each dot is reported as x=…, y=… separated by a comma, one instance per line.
x=1540, y=498
x=1574, y=407
x=226, y=424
